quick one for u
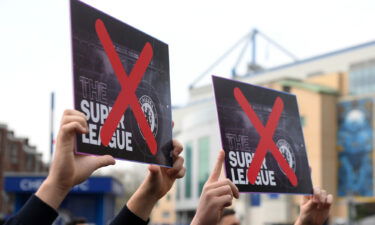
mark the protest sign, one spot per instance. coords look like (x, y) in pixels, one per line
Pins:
(262, 137)
(121, 83)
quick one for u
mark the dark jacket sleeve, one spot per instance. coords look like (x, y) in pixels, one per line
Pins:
(128, 217)
(35, 211)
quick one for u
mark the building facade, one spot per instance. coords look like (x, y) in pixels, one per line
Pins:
(16, 155)
(164, 211)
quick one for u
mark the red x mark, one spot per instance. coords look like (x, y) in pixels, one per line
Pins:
(266, 142)
(127, 95)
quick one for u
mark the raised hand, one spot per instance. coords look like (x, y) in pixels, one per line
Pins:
(157, 183)
(216, 195)
(314, 210)
(67, 168)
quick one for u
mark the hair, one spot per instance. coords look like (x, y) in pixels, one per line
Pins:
(75, 221)
(228, 212)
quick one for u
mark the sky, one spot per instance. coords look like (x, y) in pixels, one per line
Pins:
(35, 52)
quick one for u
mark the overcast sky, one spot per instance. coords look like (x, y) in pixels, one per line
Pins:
(35, 54)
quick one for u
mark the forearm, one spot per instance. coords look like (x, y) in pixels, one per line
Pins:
(34, 212)
(195, 221)
(298, 221)
(51, 194)
(142, 202)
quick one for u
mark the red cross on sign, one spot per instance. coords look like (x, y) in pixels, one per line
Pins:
(266, 138)
(129, 84)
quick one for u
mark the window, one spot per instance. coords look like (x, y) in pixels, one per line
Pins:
(29, 162)
(13, 152)
(204, 155)
(286, 89)
(362, 77)
(303, 121)
(273, 196)
(178, 190)
(188, 176)
(1, 141)
(166, 214)
(255, 199)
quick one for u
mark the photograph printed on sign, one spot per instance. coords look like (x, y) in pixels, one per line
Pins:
(262, 138)
(121, 84)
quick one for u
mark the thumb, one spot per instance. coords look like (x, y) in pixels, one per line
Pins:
(154, 170)
(305, 199)
(317, 194)
(309, 201)
(154, 173)
(105, 160)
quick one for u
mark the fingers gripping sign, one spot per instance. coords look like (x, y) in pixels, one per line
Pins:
(216, 195)
(314, 209)
(157, 184)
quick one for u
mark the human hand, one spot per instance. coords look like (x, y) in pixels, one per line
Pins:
(157, 183)
(67, 168)
(314, 210)
(160, 179)
(216, 195)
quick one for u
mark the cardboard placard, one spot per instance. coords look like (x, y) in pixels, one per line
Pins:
(262, 137)
(121, 83)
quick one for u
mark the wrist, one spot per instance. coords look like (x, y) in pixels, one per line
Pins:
(50, 193)
(298, 221)
(146, 191)
(142, 202)
(195, 221)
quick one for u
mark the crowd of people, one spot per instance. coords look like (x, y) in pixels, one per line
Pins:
(69, 169)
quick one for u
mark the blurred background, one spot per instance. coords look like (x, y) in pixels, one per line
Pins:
(321, 51)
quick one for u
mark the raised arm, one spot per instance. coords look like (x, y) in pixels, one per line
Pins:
(156, 184)
(67, 169)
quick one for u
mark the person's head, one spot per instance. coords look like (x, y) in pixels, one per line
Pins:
(229, 218)
(77, 221)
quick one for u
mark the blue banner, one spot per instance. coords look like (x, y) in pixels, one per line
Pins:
(29, 184)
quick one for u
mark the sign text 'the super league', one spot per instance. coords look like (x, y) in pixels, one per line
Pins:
(94, 106)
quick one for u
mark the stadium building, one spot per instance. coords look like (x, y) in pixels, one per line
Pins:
(335, 92)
